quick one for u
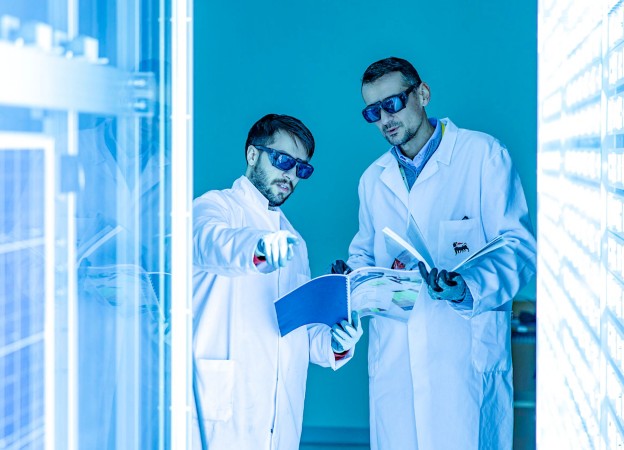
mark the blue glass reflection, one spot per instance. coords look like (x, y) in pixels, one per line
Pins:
(118, 233)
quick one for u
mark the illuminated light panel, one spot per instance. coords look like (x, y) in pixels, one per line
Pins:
(580, 398)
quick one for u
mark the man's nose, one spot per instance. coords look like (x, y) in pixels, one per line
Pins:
(385, 117)
(291, 173)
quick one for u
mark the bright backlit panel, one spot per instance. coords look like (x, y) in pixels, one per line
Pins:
(580, 222)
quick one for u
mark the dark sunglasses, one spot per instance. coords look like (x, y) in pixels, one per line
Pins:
(391, 105)
(284, 161)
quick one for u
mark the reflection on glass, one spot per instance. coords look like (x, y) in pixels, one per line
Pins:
(85, 220)
(121, 279)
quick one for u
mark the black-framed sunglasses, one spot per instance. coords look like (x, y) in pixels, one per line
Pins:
(284, 161)
(391, 105)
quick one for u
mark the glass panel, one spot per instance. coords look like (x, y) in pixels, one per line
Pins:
(85, 224)
(22, 298)
(122, 282)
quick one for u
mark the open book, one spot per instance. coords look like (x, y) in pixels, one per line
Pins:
(330, 298)
(407, 256)
(387, 292)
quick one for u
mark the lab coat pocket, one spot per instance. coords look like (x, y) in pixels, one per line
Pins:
(491, 341)
(457, 240)
(215, 388)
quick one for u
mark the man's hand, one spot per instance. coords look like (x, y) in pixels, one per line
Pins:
(443, 285)
(345, 335)
(341, 267)
(277, 247)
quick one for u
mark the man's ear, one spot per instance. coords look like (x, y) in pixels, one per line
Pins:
(252, 155)
(425, 94)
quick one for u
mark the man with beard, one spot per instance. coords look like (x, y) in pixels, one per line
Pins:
(443, 380)
(249, 383)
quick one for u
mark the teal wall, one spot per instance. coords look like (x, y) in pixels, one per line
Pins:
(306, 60)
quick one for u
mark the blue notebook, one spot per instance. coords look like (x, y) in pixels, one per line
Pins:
(330, 299)
(321, 300)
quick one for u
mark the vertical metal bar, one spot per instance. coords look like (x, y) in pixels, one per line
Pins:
(181, 174)
(163, 217)
(128, 385)
(72, 298)
(61, 349)
(72, 19)
(73, 357)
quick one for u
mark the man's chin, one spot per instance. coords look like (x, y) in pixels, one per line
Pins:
(279, 198)
(392, 138)
(396, 140)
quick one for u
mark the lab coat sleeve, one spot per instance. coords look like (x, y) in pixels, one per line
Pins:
(362, 245)
(321, 352)
(218, 247)
(498, 277)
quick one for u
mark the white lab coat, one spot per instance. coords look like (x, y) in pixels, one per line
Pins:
(444, 379)
(249, 383)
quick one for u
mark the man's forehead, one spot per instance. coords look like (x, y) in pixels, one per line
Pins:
(390, 84)
(289, 144)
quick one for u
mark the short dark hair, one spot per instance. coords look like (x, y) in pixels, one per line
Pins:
(262, 132)
(388, 65)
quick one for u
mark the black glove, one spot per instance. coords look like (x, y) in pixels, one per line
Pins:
(341, 267)
(443, 285)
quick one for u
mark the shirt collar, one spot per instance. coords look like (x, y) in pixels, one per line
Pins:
(435, 137)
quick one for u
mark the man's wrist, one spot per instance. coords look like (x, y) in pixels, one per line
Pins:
(258, 258)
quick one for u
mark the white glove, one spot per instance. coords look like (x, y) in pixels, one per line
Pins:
(345, 335)
(277, 247)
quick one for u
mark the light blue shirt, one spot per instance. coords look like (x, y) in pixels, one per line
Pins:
(412, 168)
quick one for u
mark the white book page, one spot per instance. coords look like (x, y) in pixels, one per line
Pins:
(396, 246)
(416, 238)
(496, 243)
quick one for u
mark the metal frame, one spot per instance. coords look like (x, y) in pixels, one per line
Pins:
(182, 142)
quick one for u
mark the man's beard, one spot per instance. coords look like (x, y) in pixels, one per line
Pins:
(400, 138)
(259, 179)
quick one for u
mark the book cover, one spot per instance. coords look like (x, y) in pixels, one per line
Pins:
(324, 299)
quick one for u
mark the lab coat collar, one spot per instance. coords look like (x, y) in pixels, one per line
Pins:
(443, 154)
(391, 176)
(254, 196)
